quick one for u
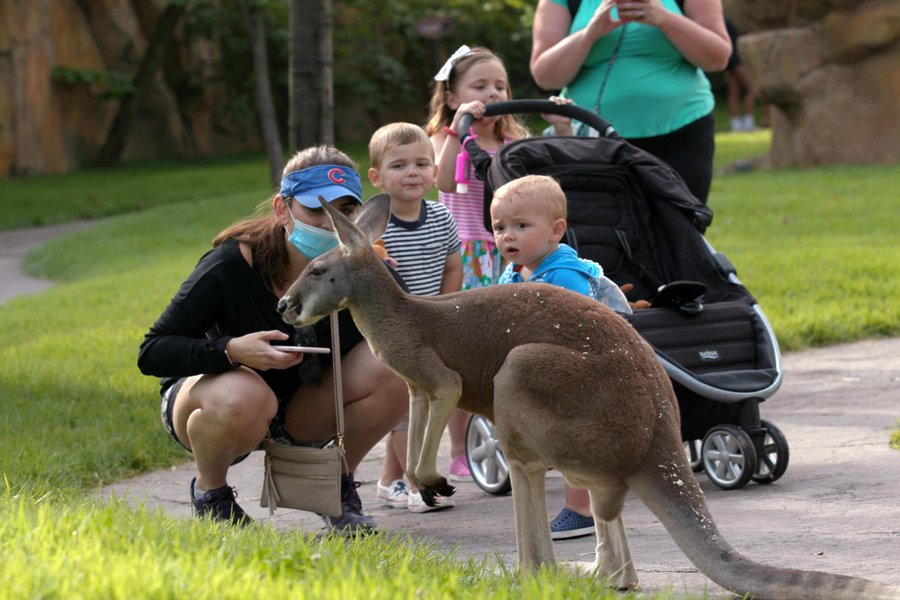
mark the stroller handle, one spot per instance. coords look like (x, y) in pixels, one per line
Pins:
(540, 106)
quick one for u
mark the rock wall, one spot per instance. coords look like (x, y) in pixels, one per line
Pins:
(47, 126)
(831, 71)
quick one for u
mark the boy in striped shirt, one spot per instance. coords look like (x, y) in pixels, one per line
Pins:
(422, 238)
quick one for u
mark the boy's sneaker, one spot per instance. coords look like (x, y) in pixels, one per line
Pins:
(569, 524)
(352, 520)
(219, 505)
(459, 469)
(416, 504)
(394, 495)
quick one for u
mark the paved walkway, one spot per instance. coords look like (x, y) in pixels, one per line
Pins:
(836, 509)
(14, 245)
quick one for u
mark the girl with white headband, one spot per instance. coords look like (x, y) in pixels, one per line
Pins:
(471, 79)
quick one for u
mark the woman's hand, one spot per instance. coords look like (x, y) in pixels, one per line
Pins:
(698, 33)
(561, 125)
(648, 12)
(255, 350)
(556, 55)
(601, 22)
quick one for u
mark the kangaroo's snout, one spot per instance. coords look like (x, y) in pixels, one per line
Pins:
(283, 305)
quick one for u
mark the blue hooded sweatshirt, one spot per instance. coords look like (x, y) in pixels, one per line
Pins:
(564, 268)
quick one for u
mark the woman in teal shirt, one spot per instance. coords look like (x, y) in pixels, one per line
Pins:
(639, 64)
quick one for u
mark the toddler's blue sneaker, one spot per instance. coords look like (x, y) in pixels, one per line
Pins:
(569, 524)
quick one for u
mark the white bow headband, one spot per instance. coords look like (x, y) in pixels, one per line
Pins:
(461, 52)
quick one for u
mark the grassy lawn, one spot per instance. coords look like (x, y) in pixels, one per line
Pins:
(819, 248)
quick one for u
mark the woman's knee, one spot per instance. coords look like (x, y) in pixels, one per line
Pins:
(234, 402)
(237, 411)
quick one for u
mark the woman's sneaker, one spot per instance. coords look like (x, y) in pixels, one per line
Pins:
(352, 520)
(219, 505)
(394, 495)
(416, 504)
(569, 524)
(459, 469)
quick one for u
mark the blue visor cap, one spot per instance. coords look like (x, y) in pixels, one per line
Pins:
(329, 181)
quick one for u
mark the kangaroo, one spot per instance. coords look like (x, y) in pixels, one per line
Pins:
(568, 384)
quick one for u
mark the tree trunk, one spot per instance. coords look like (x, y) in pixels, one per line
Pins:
(265, 105)
(311, 111)
(111, 151)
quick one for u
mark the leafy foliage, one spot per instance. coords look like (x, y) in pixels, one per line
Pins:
(383, 63)
(110, 85)
(230, 68)
(383, 67)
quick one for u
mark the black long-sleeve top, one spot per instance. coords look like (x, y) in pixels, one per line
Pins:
(222, 298)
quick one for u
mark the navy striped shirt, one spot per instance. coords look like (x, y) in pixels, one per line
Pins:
(421, 248)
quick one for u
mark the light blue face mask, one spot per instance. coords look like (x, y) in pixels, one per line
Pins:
(311, 241)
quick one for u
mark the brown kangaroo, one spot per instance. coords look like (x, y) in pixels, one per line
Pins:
(568, 384)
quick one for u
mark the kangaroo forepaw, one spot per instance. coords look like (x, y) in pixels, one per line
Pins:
(441, 488)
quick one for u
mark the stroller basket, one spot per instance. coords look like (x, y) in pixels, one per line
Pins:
(724, 353)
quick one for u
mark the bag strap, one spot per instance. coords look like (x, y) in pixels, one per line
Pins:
(336, 376)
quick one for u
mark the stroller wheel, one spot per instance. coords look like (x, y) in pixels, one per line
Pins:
(486, 460)
(692, 449)
(773, 460)
(728, 456)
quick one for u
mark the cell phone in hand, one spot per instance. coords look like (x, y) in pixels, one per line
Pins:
(304, 349)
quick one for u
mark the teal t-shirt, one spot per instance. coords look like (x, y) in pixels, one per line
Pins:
(650, 88)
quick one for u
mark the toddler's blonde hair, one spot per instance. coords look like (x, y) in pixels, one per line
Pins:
(393, 135)
(544, 189)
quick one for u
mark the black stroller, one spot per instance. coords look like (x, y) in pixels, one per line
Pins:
(632, 213)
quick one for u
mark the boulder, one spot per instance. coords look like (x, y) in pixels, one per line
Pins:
(830, 71)
(49, 126)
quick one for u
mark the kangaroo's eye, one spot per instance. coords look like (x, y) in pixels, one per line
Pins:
(316, 272)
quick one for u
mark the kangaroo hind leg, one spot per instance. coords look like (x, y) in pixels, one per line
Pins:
(613, 557)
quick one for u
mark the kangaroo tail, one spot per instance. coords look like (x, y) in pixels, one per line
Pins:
(671, 492)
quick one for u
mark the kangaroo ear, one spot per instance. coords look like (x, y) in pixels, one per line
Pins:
(371, 222)
(349, 236)
(374, 215)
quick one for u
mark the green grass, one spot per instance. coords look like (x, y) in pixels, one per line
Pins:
(71, 548)
(92, 194)
(819, 248)
(733, 147)
(99, 193)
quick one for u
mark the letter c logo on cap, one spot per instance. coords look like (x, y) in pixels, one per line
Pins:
(337, 176)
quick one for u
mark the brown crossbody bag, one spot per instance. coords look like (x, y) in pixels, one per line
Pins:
(304, 477)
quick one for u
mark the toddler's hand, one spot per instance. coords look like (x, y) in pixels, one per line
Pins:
(380, 250)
